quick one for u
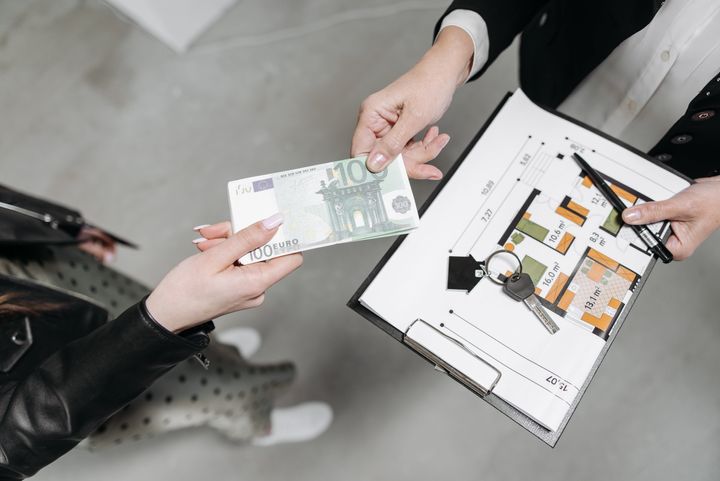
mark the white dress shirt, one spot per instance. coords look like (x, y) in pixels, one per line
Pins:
(638, 92)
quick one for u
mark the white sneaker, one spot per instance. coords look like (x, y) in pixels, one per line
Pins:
(297, 423)
(246, 339)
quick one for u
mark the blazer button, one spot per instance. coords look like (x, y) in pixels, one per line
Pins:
(663, 157)
(704, 115)
(681, 139)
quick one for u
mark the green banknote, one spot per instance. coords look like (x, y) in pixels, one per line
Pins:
(325, 204)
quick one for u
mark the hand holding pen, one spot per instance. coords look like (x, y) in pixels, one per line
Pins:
(694, 214)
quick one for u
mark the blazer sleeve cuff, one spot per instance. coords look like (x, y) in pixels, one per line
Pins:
(474, 25)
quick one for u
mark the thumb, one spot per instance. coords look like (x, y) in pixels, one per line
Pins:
(651, 212)
(392, 143)
(237, 245)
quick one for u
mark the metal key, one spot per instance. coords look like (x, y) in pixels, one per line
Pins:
(520, 287)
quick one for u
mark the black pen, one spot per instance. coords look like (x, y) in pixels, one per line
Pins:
(654, 243)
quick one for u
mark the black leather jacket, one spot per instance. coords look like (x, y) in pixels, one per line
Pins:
(64, 372)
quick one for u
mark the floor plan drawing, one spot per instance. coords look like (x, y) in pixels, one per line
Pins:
(520, 190)
(583, 284)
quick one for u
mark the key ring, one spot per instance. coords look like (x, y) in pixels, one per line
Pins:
(496, 253)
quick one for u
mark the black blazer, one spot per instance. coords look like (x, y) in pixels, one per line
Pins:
(564, 40)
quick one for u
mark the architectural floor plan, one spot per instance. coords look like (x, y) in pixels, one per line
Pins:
(561, 239)
(519, 189)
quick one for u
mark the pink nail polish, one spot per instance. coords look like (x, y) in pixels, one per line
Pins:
(377, 163)
(199, 240)
(273, 221)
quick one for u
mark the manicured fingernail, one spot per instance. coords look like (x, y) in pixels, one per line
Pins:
(436, 177)
(108, 257)
(199, 240)
(631, 215)
(377, 162)
(273, 221)
(445, 142)
(198, 227)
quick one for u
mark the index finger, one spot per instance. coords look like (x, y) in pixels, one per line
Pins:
(362, 141)
(370, 126)
(215, 231)
(674, 208)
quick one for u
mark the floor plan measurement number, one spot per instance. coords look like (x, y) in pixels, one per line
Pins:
(561, 385)
(488, 187)
(596, 238)
(598, 199)
(592, 300)
(555, 235)
(487, 215)
(551, 274)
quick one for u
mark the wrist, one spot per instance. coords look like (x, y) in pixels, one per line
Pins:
(453, 50)
(159, 314)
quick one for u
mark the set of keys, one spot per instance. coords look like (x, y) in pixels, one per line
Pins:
(520, 287)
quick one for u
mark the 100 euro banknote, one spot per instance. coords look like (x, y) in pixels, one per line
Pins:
(324, 204)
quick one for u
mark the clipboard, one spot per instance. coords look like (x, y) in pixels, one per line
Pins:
(490, 371)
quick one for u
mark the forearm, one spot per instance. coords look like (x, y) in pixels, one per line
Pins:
(83, 384)
(451, 55)
(491, 24)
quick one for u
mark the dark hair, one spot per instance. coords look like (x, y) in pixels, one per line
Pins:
(26, 303)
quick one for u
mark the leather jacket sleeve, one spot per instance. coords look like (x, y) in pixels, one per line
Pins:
(75, 390)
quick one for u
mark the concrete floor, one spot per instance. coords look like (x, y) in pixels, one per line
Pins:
(99, 115)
